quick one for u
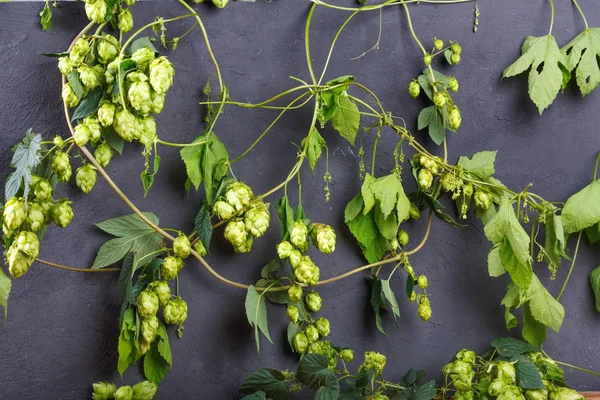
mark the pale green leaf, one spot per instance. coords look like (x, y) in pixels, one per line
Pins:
(367, 194)
(582, 210)
(5, 286)
(191, 156)
(583, 52)
(495, 268)
(533, 331)
(520, 272)
(481, 164)
(353, 208)
(594, 281)
(158, 359)
(372, 243)
(346, 118)
(544, 308)
(256, 312)
(390, 297)
(387, 226)
(427, 116)
(127, 346)
(387, 190)
(315, 148)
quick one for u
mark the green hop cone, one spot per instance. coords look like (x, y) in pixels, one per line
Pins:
(347, 355)
(182, 246)
(409, 270)
(125, 21)
(257, 219)
(315, 348)
(427, 59)
(324, 238)
(14, 213)
(467, 356)
(162, 291)
(468, 190)
(142, 57)
(35, 217)
(104, 154)
(61, 165)
(149, 328)
(461, 368)
(422, 282)
(200, 249)
(147, 129)
(158, 102)
(79, 50)
(144, 390)
(239, 195)
(28, 243)
(424, 308)
(293, 313)
(58, 141)
(111, 71)
(454, 118)
(170, 267)
(147, 304)
(65, 65)
(139, 97)
(124, 392)
(438, 44)
(299, 236)
(235, 233)
(300, 343)
(394, 245)
(96, 10)
(313, 301)
(295, 293)
(455, 59)
(496, 387)
(126, 125)
(323, 326)
(106, 113)
(414, 89)
(103, 391)
(143, 347)
(453, 84)
(403, 238)
(107, 49)
(539, 394)
(464, 395)
(483, 200)
(47, 207)
(86, 178)
(511, 393)
(69, 96)
(507, 372)
(130, 2)
(81, 135)
(425, 179)
(94, 127)
(223, 210)
(312, 334)
(295, 258)
(439, 99)
(42, 190)
(91, 77)
(456, 48)
(18, 262)
(62, 213)
(564, 393)
(463, 381)
(284, 250)
(161, 74)
(374, 361)
(246, 246)
(175, 312)
(220, 3)
(307, 272)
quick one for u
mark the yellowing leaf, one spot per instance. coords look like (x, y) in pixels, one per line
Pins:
(583, 52)
(543, 57)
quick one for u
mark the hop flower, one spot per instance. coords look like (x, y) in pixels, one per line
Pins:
(28, 243)
(162, 291)
(496, 387)
(170, 267)
(439, 99)
(235, 233)
(295, 293)
(312, 333)
(147, 129)
(81, 135)
(147, 303)
(293, 313)
(299, 236)
(220, 3)
(454, 118)
(453, 84)
(403, 238)
(124, 392)
(483, 200)
(374, 361)
(438, 44)
(161, 74)
(324, 238)
(65, 65)
(125, 125)
(456, 48)
(463, 381)
(125, 21)
(313, 301)
(58, 141)
(142, 57)
(47, 210)
(238, 195)
(510, 393)
(455, 59)
(79, 50)
(96, 10)
(307, 273)
(35, 217)
(422, 282)
(246, 246)
(91, 76)
(464, 395)
(14, 213)
(106, 113)
(323, 326)
(200, 249)
(347, 355)
(563, 393)
(257, 219)
(315, 347)
(295, 258)
(149, 328)
(139, 96)
(106, 49)
(425, 179)
(182, 246)
(104, 154)
(86, 178)
(427, 59)
(507, 372)
(69, 96)
(465, 355)
(223, 210)
(300, 343)
(414, 89)
(62, 213)
(18, 262)
(175, 312)
(103, 391)
(158, 102)
(143, 347)
(130, 2)
(539, 394)
(94, 128)
(284, 249)
(424, 308)
(144, 390)
(42, 190)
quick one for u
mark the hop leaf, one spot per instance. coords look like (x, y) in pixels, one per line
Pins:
(583, 52)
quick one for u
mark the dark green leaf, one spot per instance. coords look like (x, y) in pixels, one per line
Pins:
(141, 43)
(125, 67)
(410, 377)
(267, 380)
(437, 131)
(125, 284)
(76, 84)
(427, 116)
(158, 359)
(256, 396)
(509, 347)
(364, 378)
(410, 285)
(147, 175)
(269, 270)
(595, 282)
(113, 139)
(203, 225)
(192, 157)
(390, 297)
(352, 394)
(388, 227)
(341, 81)
(292, 331)
(256, 312)
(377, 301)
(326, 393)
(528, 377)
(88, 105)
(56, 55)
(286, 216)
(314, 373)
(25, 159)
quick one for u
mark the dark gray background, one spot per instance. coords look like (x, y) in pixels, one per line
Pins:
(61, 332)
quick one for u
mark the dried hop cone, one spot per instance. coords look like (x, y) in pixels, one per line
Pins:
(299, 236)
(124, 392)
(170, 267)
(175, 312)
(103, 391)
(161, 74)
(62, 213)
(257, 219)
(147, 304)
(239, 195)
(162, 291)
(149, 328)
(86, 178)
(235, 233)
(182, 246)
(144, 390)
(14, 213)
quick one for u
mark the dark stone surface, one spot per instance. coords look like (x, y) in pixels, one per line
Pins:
(61, 332)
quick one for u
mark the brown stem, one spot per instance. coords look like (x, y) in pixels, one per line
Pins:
(51, 264)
